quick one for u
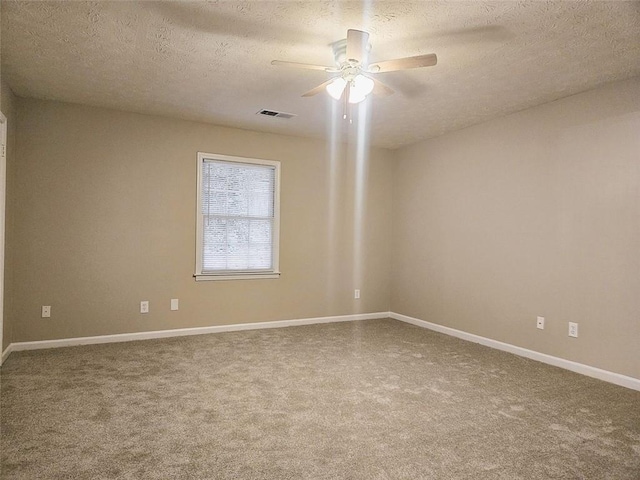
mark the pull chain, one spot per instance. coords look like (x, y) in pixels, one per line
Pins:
(346, 111)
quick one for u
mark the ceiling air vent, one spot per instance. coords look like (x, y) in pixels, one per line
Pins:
(273, 113)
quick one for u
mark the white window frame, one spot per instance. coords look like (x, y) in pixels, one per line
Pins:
(274, 272)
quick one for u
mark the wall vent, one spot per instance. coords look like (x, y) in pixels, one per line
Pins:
(273, 113)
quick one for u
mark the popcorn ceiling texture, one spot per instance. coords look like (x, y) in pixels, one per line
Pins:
(210, 61)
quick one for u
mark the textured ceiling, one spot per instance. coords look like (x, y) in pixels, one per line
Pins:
(210, 61)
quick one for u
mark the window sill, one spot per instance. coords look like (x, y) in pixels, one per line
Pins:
(239, 276)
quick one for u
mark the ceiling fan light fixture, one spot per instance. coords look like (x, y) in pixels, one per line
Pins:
(363, 84)
(355, 96)
(359, 88)
(336, 88)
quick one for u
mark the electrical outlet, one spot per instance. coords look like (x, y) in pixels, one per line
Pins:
(174, 304)
(573, 329)
(540, 323)
(144, 306)
(46, 311)
(356, 294)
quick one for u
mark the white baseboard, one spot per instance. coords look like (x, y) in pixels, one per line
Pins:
(587, 370)
(6, 353)
(181, 332)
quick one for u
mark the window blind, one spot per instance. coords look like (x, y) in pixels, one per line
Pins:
(238, 216)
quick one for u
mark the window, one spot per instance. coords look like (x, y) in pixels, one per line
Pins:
(238, 218)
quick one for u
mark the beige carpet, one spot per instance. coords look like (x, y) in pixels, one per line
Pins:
(377, 399)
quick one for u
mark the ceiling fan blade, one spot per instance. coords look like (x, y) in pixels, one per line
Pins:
(357, 42)
(404, 63)
(307, 66)
(381, 89)
(319, 89)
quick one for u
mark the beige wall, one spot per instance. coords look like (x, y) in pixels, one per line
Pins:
(104, 208)
(533, 214)
(7, 101)
(537, 213)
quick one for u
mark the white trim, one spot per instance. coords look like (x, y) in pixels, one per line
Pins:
(607, 376)
(3, 208)
(6, 353)
(181, 332)
(241, 276)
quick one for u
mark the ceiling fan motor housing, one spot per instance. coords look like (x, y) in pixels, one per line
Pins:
(340, 54)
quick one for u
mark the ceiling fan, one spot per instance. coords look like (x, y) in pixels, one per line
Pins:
(354, 80)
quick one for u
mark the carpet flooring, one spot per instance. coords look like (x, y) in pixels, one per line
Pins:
(377, 399)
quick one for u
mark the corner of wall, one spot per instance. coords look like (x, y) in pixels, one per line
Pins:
(525, 215)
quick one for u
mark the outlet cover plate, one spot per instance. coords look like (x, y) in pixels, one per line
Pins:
(540, 323)
(573, 329)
